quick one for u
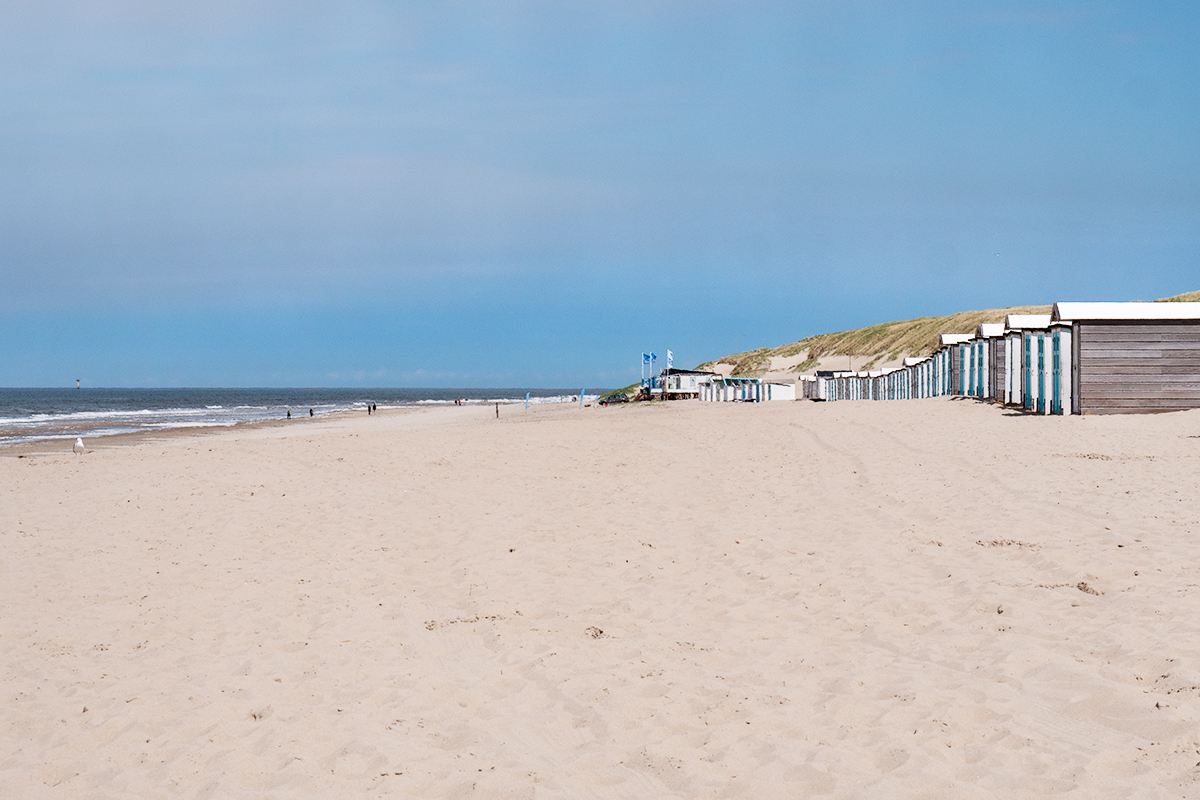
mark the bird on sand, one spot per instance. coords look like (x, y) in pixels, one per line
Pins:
(78, 448)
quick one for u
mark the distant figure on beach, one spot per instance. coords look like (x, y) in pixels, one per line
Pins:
(310, 412)
(368, 409)
(289, 413)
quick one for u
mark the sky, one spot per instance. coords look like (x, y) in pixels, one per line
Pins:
(498, 194)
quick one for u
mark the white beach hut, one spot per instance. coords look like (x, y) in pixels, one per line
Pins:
(748, 390)
(1014, 356)
(1041, 362)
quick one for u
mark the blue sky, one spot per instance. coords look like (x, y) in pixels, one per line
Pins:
(531, 194)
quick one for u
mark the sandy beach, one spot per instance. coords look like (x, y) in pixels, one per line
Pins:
(934, 598)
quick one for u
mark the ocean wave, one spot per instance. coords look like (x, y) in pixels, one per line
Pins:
(32, 414)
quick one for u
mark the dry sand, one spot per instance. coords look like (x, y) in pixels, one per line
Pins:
(930, 598)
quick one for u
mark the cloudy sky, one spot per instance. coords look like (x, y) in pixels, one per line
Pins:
(532, 193)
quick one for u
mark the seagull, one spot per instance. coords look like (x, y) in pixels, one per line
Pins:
(78, 448)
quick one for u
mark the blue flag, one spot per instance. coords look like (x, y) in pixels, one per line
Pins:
(653, 357)
(646, 357)
(670, 359)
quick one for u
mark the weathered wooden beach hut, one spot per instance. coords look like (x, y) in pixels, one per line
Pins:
(942, 372)
(920, 372)
(1132, 357)
(810, 387)
(957, 347)
(989, 336)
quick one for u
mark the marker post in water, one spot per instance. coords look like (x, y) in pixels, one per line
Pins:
(581, 398)
(527, 401)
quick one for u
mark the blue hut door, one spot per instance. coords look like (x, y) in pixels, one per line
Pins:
(1028, 399)
(1056, 404)
(1041, 400)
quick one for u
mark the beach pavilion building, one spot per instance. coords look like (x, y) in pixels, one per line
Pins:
(679, 384)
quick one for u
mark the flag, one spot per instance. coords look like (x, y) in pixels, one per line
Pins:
(670, 359)
(646, 357)
(653, 357)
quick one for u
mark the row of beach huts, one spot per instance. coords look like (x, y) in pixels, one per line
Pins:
(1084, 358)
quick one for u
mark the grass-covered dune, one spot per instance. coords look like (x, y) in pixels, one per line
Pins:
(874, 346)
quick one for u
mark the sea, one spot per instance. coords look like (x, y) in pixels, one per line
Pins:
(28, 415)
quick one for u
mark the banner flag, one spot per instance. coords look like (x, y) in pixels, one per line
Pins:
(653, 357)
(670, 359)
(646, 357)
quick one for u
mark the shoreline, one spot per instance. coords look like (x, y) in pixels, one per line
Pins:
(30, 416)
(57, 445)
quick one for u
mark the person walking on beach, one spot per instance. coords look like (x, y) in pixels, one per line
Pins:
(289, 413)
(310, 412)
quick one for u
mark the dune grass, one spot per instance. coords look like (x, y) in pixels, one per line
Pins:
(886, 341)
(632, 388)
(1187, 297)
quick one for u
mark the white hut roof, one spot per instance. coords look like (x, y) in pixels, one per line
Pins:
(987, 330)
(1022, 322)
(1126, 311)
(911, 361)
(956, 338)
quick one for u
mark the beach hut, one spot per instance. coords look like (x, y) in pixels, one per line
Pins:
(770, 391)
(1033, 380)
(1014, 352)
(919, 372)
(989, 336)
(746, 390)
(941, 371)
(1062, 388)
(1132, 357)
(958, 370)
(811, 387)
(1046, 369)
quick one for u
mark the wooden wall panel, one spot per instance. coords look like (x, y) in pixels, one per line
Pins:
(1129, 367)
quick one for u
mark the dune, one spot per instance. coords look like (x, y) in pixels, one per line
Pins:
(931, 598)
(875, 347)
